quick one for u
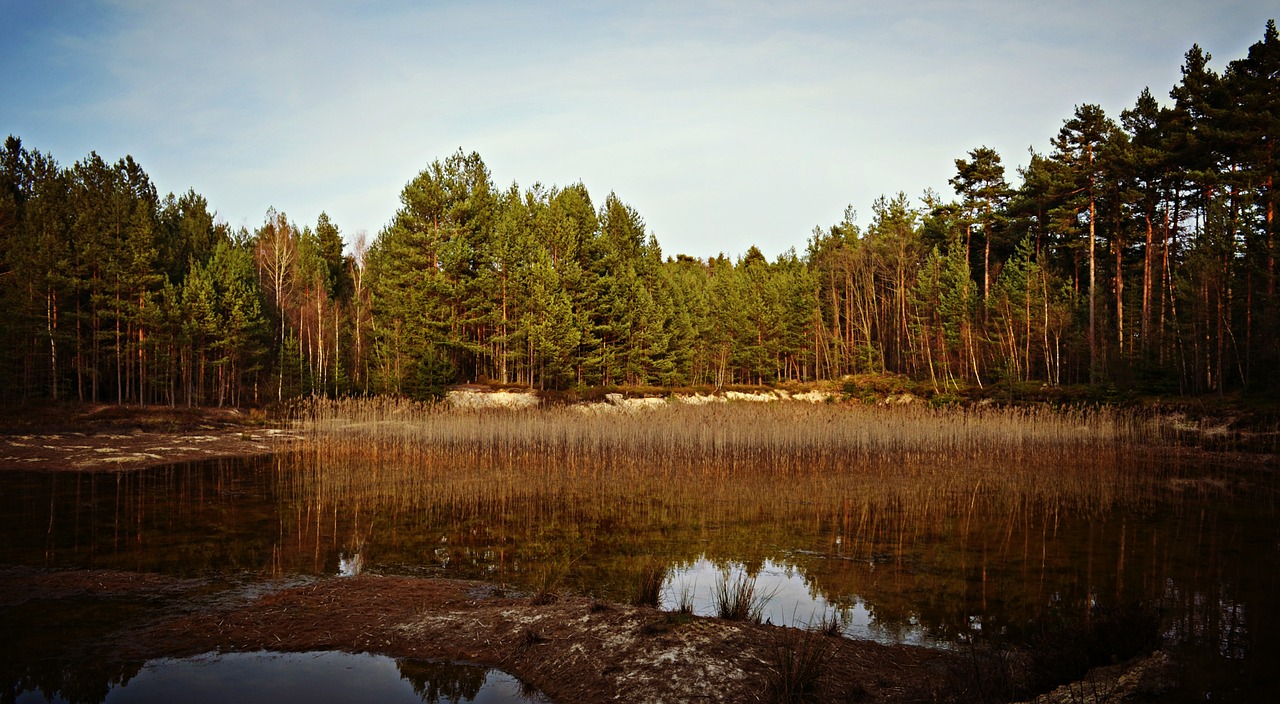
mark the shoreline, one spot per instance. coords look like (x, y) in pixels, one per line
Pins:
(104, 438)
(571, 648)
(75, 437)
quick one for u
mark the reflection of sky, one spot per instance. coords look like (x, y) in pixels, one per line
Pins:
(253, 678)
(790, 600)
(350, 565)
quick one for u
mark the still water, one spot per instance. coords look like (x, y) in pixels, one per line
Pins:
(310, 678)
(1200, 547)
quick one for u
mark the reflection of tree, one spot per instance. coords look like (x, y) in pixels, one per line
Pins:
(924, 552)
(442, 681)
(47, 648)
(189, 519)
(73, 681)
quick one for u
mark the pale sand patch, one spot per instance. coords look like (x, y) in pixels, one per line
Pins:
(199, 438)
(476, 400)
(814, 396)
(594, 408)
(699, 399)
(635, 404)
(127, 457)
(764, 397)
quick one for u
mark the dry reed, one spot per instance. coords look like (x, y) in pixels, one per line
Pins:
(799, 659)
(894, 454)
(648, 590)
(884, 477)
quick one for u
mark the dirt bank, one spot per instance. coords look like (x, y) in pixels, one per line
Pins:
(573, 648)
(76, 437)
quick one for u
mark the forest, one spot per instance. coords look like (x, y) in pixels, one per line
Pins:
(1138, 251)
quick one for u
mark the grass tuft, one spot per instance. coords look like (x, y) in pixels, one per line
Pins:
(830, 624)
(737, 599)
(648, 588)
(800, 659)
(684, 604)
(548, 585)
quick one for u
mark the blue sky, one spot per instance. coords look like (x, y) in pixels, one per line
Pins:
(725, 124)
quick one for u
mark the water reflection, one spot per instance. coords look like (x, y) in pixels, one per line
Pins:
(929, 567)
(319, 677)
(350, 565)
(789, 599)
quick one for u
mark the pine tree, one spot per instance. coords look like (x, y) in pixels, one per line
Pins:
(1078, 148)
(980, 182)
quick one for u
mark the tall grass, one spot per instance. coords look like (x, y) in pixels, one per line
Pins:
(885, 477)
(896, 455)
(648, 589)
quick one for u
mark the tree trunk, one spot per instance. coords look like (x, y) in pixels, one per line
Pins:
(1093, 343)
(51, 321)
(1119, 246)
(119, 356)
(1145, 328)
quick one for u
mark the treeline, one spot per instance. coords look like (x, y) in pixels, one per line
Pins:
(1138, 252)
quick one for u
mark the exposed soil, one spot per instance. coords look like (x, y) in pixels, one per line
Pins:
(574, 649)
(76, 437)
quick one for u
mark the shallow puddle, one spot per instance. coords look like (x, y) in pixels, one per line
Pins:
(1196, 545)
(785, 598)
(314, 678)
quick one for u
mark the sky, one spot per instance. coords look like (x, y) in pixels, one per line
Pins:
(723, 124)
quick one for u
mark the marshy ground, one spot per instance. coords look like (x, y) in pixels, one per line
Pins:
(97, 437)
(572, 647)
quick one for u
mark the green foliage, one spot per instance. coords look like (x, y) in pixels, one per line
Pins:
(1140, 253)
(430, 377)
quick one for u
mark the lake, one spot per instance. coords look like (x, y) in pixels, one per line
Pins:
(906, 528)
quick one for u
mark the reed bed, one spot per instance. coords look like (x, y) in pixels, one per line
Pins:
(883, 479)
(1078, 459)
(785, 436)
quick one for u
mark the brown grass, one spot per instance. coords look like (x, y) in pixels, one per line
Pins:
(888, 477)
(648, 590)
(799, 659)
(907, 454)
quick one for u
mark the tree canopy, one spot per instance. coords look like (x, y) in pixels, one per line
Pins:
(1136, 250)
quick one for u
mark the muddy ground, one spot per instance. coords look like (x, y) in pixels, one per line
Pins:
(93, 437)
(572, 648)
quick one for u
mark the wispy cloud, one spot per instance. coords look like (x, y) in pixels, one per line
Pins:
(725, 124)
